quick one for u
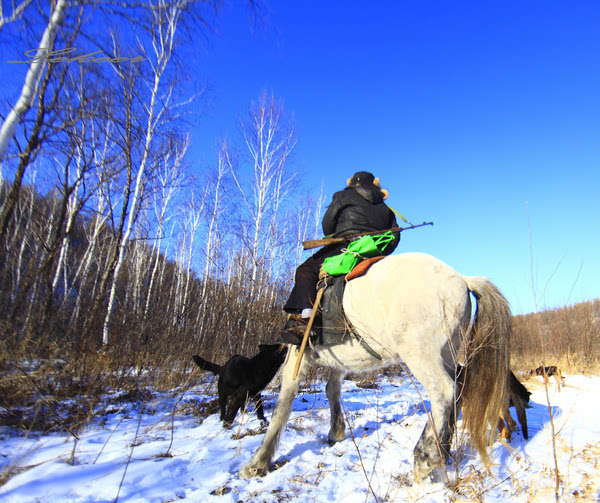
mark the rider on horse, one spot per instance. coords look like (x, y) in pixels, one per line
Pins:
(359, 208)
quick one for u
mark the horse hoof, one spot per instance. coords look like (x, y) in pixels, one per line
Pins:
(437, 475)
(426, 471)
(334, 439)
(248, 472)
(432, 477)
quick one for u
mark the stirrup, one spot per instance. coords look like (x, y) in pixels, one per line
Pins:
(289, 338)
(293, 332)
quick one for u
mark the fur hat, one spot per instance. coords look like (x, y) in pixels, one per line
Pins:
(364, 178)
(361, 178)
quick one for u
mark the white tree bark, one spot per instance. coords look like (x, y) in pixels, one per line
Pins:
(212, 249)
(215, 212)
(33, 77)
(25, 213)
(71, 212)
(168, 177)
(100, 148)
(186, 253)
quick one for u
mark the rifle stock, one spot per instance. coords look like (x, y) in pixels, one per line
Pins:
(314, 243)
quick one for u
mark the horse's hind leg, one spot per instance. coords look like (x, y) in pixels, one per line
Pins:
(259, 463)
(433, 448)
(333, 389)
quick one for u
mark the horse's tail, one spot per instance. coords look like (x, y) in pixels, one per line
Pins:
(486, 373)
(206, 365)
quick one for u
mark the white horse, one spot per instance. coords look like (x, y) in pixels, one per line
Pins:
(415, 310)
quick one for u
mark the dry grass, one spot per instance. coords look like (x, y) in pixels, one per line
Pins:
(61, 391)
(569, 339)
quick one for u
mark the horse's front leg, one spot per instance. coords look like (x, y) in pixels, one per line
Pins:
(337, 432)
(259, 463)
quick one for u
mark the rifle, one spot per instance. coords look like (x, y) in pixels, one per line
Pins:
(307, 245)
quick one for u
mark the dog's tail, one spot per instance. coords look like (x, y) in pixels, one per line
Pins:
(206, 365)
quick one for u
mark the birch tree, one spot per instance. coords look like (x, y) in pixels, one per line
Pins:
(307, 219)
(269, 139)
(102, 176)
(34, 74)
(106, 161)
(169, 175)
(44, 83)
(217, 208)
(191, 224)
(216, 228)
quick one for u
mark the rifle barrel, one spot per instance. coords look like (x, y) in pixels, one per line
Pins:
(314, 243)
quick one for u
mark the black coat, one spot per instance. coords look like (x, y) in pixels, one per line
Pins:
(359, 209)
(352, 210)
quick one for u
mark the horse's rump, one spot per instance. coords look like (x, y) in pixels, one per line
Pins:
(410, 303)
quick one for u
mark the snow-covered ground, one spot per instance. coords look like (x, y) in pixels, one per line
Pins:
(152, 455)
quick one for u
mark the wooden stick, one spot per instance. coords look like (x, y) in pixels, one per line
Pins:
(307, 331)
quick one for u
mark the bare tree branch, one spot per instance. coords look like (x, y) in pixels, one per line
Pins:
(17, 13)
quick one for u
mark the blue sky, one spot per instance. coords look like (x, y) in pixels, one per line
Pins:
(483, 117)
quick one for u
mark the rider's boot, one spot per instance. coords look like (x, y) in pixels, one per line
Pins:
(294, 329)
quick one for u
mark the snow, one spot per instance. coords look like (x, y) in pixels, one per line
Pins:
(147, 453)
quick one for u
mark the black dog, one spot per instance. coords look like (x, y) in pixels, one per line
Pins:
(242, 379)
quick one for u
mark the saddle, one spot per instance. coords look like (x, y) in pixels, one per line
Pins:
(334, 324)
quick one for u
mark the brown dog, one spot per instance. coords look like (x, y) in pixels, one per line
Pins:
(519, 398)
(547, 372)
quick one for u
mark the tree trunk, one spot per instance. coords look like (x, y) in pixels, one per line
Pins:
(33, 77)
